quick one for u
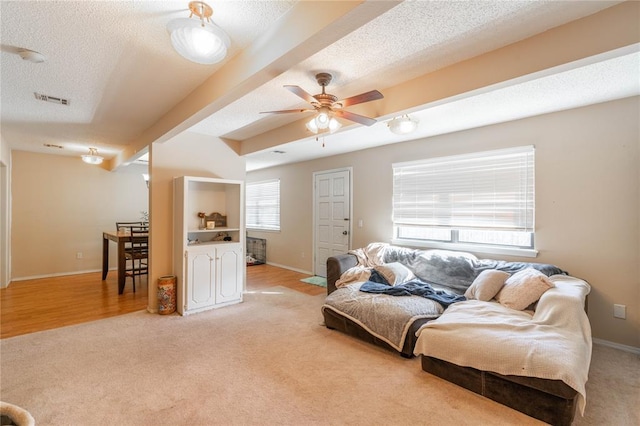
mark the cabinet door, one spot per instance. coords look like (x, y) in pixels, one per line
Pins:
(230, 273)
(201, 273)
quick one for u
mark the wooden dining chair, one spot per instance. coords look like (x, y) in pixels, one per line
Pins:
(138, 255)
(126, 227)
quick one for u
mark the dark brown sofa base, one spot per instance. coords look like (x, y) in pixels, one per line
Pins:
(551, 401)
(336, 321)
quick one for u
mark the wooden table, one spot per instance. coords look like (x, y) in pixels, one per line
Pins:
(120, 238)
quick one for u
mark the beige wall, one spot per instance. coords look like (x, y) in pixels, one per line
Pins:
(188, 154)
(61, 206)
(587, 200)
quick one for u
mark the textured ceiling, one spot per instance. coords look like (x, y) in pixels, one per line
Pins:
(114, 62)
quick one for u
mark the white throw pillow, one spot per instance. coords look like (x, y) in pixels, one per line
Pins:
(523, 288)
(395, 273)
(486, 285)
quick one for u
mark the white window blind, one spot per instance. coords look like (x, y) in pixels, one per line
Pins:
(491, 190)
(263, 205)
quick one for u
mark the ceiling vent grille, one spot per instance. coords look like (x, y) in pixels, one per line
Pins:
(51, 145)
(52, 99)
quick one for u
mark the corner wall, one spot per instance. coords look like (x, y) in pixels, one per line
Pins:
(587, 200)
(188, 154)
(5, 213)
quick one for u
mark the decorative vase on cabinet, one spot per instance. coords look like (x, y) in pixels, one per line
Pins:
(212, 270)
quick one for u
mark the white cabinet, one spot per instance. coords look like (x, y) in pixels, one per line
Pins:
(213, 276)
(209, 263)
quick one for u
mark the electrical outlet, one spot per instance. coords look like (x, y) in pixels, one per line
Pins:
(620, 311)
(79, 255)
(302, 254)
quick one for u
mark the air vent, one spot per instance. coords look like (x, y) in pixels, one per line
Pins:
(52, 99)
(50, 145)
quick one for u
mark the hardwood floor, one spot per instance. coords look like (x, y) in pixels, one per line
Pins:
(43, 304)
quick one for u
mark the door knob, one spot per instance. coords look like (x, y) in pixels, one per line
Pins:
(344, 232)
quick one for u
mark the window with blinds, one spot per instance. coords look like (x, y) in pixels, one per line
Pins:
(482, 198)
(263, 205)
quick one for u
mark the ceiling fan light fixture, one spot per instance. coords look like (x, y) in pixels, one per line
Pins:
(332, 125)
(196, 40)
(92, 157)
(402, 125)
(312, 126)
(323, 118)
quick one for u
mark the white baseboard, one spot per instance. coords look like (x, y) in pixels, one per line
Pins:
(290, 268)
(619, 346)
(59, 274)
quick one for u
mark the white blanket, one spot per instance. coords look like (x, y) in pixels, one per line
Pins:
(553, 343)
(368, 257)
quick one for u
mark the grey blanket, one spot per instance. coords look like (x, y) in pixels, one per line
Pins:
(456, 271)
(386, 317)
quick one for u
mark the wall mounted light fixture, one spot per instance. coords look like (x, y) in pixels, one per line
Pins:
(196, 40)
(92, 157)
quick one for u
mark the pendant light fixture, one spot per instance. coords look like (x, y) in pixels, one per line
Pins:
(402, 125)
(196, 40)
(92, 157)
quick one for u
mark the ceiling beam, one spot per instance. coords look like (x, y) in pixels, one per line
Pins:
(605, 31)
(307, 28)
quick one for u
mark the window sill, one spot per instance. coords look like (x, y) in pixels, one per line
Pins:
(277, 231)
(474, 248)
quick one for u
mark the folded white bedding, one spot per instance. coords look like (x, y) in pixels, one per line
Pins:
(553, 343)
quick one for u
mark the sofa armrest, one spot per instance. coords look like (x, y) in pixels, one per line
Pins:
(336, 265)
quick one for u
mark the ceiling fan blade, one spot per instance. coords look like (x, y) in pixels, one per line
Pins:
(355, 117)
(285, 111)
(361, 98)
(297, 90)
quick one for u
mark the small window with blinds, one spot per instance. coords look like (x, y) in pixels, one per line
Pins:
(485, 198)
(263, 205)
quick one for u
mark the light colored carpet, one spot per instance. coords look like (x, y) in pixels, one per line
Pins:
(319, 281)
(268, 360)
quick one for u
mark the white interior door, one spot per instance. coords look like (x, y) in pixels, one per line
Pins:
(332, 216)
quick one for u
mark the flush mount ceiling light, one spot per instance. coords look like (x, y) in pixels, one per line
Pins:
(196, 40)
(31, 56)
(92, 157)
(402, 125)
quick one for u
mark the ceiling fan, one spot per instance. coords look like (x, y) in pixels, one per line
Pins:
(327, 106)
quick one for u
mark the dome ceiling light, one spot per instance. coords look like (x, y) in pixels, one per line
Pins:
(199, 41)
(402, 125)
(31, 56)
(92, 157)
